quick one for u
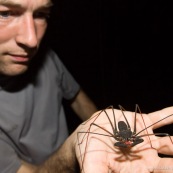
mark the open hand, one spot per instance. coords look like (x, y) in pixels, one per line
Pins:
(96, 139)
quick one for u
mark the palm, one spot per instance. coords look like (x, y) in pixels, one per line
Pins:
(97, 152)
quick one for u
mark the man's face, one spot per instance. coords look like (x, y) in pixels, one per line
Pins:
(22, 27)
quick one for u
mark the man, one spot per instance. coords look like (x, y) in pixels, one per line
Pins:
(32, 85)
(31, 116)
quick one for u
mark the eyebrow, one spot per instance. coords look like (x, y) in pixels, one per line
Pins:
(46, 6)
(9, 3)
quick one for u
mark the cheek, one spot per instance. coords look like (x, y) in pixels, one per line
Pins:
(6, 33)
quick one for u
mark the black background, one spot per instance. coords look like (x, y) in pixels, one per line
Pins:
(119, 51)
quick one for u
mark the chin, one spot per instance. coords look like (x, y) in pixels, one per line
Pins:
(15, 70)
(17, 73)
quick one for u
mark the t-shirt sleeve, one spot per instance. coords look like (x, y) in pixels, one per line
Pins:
(69, 85)
(9, 161)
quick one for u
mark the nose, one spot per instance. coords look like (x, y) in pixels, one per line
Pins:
(27, 33)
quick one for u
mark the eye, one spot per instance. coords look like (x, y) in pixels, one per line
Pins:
(5, 14)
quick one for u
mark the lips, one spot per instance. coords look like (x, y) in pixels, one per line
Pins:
(19, 58)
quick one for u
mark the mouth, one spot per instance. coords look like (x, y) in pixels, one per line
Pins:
(20, 58)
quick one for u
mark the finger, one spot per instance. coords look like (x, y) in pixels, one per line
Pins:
(162, 117)
(165, 145)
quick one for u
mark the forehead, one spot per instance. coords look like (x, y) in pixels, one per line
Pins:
(27, 3)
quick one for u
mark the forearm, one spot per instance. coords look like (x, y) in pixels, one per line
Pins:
(83, 106)
(62, 161)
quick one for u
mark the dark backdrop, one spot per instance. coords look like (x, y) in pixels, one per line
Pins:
(119, 51)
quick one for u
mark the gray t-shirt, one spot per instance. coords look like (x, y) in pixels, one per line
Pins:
(32, 120)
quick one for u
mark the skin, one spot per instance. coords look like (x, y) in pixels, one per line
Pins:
(83, 101)
(22, 26)
(102, 156)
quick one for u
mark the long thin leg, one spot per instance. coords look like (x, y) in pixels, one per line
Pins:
(158, 134)
(153, 124)
(122, 110)
(138, 108)
(89, 132)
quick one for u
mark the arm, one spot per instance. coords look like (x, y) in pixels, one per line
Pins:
(83, 106)
(109, 157)
(62, 161)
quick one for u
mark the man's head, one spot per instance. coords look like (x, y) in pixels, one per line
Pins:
(22, 27)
